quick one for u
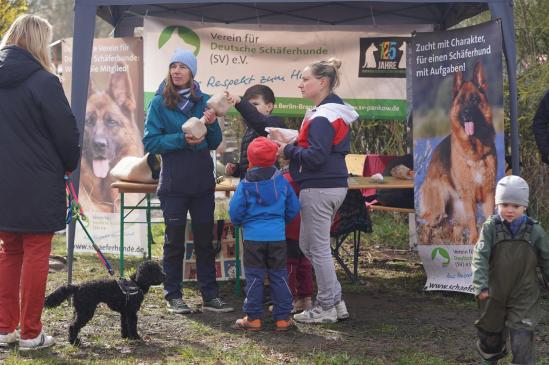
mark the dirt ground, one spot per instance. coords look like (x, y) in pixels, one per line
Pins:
(393, 321)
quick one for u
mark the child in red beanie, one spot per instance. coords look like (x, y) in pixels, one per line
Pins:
(262, 205)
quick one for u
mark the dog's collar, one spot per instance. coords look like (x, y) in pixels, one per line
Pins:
(128, 287)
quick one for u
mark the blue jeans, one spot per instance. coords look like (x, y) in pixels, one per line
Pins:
(175, 210)
(260, 258)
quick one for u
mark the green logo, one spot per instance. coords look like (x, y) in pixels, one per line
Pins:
(441, 256)
(186, 34)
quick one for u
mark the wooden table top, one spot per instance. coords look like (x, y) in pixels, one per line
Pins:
(389, 182)
(229, 184)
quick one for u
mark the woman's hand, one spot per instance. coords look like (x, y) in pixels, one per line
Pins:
(233, 99)
(281, 147)
(484, 295)
(209, 116)
(276, 135)
(192, 140)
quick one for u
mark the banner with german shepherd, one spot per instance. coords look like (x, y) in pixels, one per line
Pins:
(457, 111)
(113, 130)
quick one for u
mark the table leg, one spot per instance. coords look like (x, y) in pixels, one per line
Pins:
(149, 228)
(237, 287)
(356, 250)
(122, 235)
(339, 240)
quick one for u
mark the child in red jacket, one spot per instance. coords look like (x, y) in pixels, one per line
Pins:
(300, 270)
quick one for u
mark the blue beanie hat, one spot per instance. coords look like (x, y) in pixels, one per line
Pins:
(185, 57)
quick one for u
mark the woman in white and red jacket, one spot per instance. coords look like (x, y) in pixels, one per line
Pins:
(317, 164)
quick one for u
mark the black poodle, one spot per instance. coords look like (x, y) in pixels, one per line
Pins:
(122, 296)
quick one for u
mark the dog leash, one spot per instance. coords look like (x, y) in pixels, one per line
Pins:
(76, 213)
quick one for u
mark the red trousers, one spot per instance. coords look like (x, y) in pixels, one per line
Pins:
(24, 264)
(300, 271)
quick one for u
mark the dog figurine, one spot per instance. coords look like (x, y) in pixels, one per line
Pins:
(462, 171)
(122, 296)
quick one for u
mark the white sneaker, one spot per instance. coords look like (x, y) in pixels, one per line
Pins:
(317, 315)
(40, 342)
(8, 339)
(341, 310)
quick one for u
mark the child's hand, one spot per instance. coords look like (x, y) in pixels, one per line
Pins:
(233, 99)
(484, 295)
(230, 169)
(281, 147)
(209, 116)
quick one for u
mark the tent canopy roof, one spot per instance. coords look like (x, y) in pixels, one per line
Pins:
(442, 14)
(124, 15)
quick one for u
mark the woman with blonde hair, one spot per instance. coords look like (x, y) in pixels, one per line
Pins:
(39, 142)
(317, 165)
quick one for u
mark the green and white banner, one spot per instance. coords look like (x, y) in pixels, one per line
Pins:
(235, 57)
(448, 267)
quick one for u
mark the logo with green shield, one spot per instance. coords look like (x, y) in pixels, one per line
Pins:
(190, 38)
(440, 256)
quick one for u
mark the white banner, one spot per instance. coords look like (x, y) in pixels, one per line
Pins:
(113, 130)
(235, 57)
(448, 267)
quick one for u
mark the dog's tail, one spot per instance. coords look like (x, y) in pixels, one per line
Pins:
(59, 295)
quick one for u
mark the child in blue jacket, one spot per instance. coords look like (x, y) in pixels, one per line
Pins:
(262, 205)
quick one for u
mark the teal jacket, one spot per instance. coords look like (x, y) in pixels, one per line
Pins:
(187, 170)
(163, 132)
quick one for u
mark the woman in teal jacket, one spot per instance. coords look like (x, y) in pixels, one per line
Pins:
(187, 182)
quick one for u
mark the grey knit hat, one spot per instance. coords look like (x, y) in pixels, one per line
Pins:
(512, 190)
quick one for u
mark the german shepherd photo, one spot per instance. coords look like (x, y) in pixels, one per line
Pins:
(461, 175)
(111, 132)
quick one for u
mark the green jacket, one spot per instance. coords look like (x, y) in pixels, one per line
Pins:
(483, 251)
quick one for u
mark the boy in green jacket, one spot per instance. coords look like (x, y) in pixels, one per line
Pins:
(510, 247)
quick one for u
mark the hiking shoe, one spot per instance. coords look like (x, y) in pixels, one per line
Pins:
(341, 310)
(317, 314)
(217, 305)
(40, 342)
(284, 325)
(8, 339)
(177, 306)
(301, 304)
(246, 324)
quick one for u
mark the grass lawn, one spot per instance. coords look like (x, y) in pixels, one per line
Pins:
(393, 321)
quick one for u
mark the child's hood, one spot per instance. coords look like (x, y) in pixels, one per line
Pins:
(260, 182)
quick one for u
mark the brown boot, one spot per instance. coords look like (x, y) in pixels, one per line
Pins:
(301, 304)
(245, 324)
(297, 305)
(307, 303)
